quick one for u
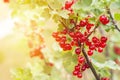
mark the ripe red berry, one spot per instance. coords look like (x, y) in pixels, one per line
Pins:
(81, 59)
(79, 75)
(83, 39)
(90, 52)
(88, 26)
(64, 31)
(55, 34)
(86, 65)
(68, 4)
(77, 67)
(77, 27)
(83, 23)
(63, 38)
(71, 34)
(88, 43)
(116, 50)
(100, 49)
(83, 68)
(62, 44)
(103, 39)
(102, 45)
(77, 51)
(92, 47)
(75, 72)
(58, 39)
(95, 39)
(67, 47)
(97, 44)
(104, 19)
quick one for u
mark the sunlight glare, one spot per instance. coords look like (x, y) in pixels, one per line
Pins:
(6, 27)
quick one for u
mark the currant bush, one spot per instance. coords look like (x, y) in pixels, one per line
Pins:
(68, 39)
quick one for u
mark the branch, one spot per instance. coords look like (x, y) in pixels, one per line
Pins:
(63, 24)
(93, 30)
(113, 21)
(90, 64)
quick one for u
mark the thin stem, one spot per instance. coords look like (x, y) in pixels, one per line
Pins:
(90, 64)
(113, 21)
(63, 24)
(93, 30)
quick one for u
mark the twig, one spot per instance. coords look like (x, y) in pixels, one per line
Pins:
(63, 24)
(90, 64)
(93, 30)
(113, 21)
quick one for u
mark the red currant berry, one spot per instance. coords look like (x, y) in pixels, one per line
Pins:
(75, 72)
(81, 59)
(64, 31)
(83, 68)
(67, 47)
(77, 27)
(57, 39)
(63, 38)
(104, 19)
(71, 34)
(88, 27)
(88, 43)
(100, 49)
(103, 39)
(55, 34)
(78, 34)
(92, 47)
(72, 43)
(68, 4)
(94, 39)
(86, 65)
(77, 51)
(102, 45)
(90, 52)
(97, 44)
(77, 68)
(83, 39)
(79, 75)
(83, 23)
(62, 44)
(116, 50)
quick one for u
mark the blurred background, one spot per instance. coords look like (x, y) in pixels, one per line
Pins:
(15, 47)
(13, 50)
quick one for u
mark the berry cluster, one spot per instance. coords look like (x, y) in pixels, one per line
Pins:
(68, 5)
(78, 37)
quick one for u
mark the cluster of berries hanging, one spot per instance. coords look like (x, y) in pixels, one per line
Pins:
(68, 5)
(75, 37)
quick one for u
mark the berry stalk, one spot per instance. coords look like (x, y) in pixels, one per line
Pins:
(113, 21)
(90, 64)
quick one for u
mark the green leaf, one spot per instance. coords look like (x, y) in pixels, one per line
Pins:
(107, 64)
(21, 74)
(82, 4)
(64, 14)
(117, 16)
